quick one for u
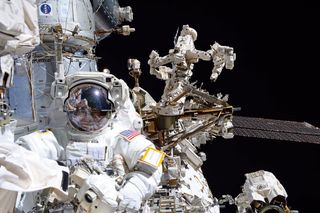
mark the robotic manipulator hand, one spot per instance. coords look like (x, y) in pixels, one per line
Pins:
(222, 56)
(262, 192)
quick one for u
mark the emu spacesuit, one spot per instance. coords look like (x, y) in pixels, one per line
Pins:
(107, 113)
(98, 121)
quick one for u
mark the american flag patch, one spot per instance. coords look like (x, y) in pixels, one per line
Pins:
(129, 134)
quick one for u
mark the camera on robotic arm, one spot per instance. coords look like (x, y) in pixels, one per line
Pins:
(262, 193)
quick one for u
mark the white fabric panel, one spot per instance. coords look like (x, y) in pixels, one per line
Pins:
(6, 70)
(19, 30)
(8, 201)
(44, 144)
(23, 170)
(12, 20)
(7, 132)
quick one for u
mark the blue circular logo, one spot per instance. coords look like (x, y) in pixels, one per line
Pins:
(45, 8)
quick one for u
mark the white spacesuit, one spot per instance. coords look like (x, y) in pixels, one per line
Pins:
(120, 134)
(101, 117)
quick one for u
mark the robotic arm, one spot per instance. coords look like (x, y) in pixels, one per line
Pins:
(184, 55)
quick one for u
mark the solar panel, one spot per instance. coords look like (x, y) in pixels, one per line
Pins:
(276, 129)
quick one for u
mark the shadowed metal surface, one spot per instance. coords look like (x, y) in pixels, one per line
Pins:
(276, 129)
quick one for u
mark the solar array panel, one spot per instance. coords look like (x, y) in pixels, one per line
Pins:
(276, 129)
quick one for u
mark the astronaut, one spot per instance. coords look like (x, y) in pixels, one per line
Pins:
(96, 121)
(100, 116)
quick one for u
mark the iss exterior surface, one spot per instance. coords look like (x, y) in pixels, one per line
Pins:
(190, 175)
(75, 17)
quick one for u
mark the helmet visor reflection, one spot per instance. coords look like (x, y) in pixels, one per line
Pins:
(88, 107)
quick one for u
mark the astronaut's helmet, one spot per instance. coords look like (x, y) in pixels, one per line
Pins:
(88, 107)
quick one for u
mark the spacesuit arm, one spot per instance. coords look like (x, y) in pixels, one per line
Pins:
(142, 181)
(138, 187)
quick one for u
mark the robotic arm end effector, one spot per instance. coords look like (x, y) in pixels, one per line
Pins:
(155, 62)
(262, 193)
(222, 56)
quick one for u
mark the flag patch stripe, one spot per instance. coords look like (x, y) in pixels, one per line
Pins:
(129, 134)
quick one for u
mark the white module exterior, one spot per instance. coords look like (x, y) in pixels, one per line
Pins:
(75, 18)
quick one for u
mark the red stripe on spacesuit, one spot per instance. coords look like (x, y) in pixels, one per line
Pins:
(129, 134)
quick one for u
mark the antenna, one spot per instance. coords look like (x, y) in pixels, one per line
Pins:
(176, 37)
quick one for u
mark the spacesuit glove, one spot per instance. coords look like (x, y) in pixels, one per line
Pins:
(132, 194)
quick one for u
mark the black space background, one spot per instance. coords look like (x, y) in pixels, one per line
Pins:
(275, 76)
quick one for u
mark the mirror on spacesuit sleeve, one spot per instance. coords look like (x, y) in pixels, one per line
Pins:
(88, 107)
